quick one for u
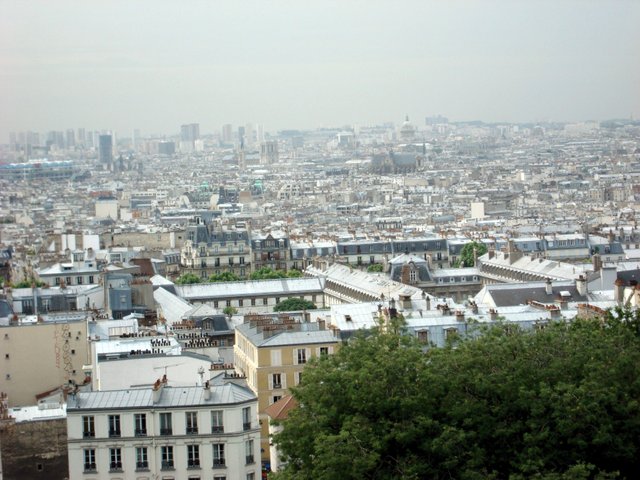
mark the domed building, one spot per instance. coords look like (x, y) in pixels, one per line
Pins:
(407, 131)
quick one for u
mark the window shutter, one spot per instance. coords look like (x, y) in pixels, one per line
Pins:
(283, 377)
(271, 381)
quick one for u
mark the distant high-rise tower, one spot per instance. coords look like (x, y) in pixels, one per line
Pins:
(71, 138)
(190, 132)
(227, 133)
(105, 150)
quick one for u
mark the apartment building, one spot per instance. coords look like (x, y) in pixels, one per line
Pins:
(168, 433)
(272, 354)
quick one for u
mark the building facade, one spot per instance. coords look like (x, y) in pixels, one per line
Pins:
(183, 433)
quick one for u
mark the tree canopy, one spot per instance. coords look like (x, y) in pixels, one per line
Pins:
(188, 278)
(266, 273)
(558, 403)
(224, 277)
(293, 304)
(466, 254)
(375, 267)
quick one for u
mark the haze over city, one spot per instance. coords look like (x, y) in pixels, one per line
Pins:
(153, 65)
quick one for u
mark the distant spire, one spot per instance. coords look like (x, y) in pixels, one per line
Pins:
(406, 118)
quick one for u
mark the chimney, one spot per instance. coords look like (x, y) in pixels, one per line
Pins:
(493, 314)
(157, 389)
(581, 285)
(459, 316)
(554, 312)
(618, 291)
(207, 390)
(548, 287)
(597, 262)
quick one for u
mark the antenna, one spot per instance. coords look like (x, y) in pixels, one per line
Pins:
(167, 366)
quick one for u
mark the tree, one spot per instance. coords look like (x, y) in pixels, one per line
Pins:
(188, 278)
(230, 311)
(375, 267)
(559, 403)
(467, 255)
(266, 273)
(293, 304)
(224, 277)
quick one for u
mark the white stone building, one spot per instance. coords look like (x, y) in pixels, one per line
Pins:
(168, 433)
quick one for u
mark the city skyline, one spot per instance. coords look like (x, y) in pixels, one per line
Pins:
(154, 67)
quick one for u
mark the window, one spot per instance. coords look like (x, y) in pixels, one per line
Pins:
(167, 457)
(215, 304)
(248, 451)
(241, 260)
(193, 456)
(140, 424)
(88, 427)
(324, 351)
(277, 299)
(276, 381)
(217, 425)
(165, 424)
(265, 301)
(423, 336)
(90, 278)
(230, 260)
(57, 280)
(114, 425)
(246, 418)
(192, 423)
(219, 477)
(240, 303)
(251, 476)
(275, 398)
(298, 378)
(115, 459)
(301, 356)
(228, 303)
(142, 461)
(276, 358)
(253, 302)
(218, 455)
(79, 280)
(89, 460)
(413, 276)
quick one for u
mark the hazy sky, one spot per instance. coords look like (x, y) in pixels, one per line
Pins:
(154, 64)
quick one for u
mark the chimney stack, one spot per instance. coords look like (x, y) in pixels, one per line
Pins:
(548, 287)
(618, 291)
(581, 285)
(207, 390)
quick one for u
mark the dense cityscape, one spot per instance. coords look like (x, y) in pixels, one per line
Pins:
(319, 240)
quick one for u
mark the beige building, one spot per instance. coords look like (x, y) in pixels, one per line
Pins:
(272, 354)
(39, 357)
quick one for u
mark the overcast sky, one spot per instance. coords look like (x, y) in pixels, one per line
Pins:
(154, 65)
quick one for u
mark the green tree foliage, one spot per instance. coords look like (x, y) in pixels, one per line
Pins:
(466, 254)
(294, 304)
(230, 311)
(374, 267)
(188, 278)
(28, 283)
(224, 277)
(266, 273)
(560, 403)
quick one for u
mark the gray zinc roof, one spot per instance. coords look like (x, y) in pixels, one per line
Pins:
(171, 397)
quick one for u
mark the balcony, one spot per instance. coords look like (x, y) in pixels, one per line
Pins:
(193, 464)
(89, 434)
(192, 430)
(217, 429)
(140, 466)
(90, 468)
(115, 467)
(167, 465)
(114, 433)
(218, 463)
(246, 426)
(277, 385)
(249, 459)
(141, 432)
(166, 431)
